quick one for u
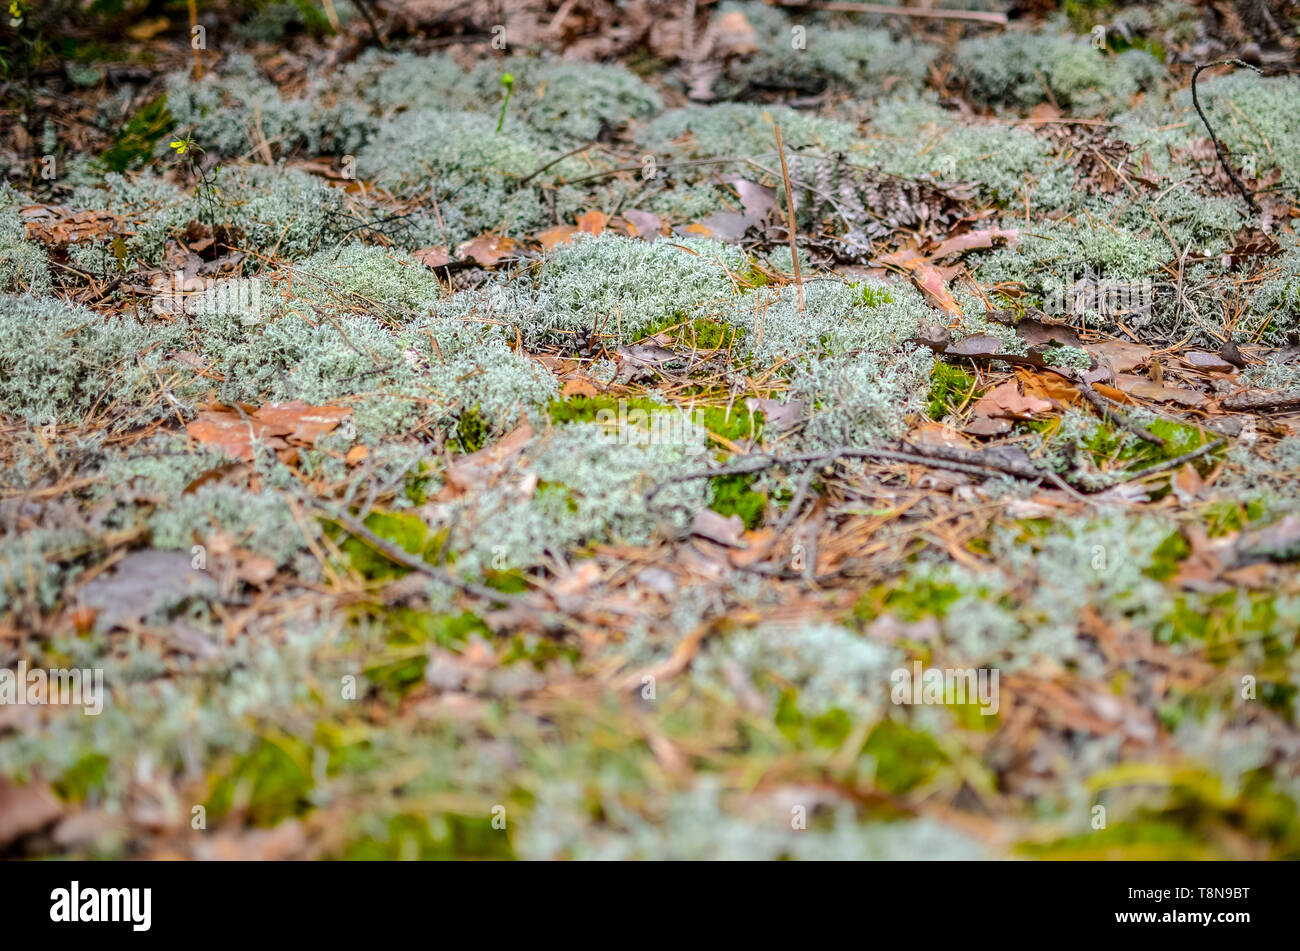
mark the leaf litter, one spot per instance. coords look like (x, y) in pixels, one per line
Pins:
(1022, 398)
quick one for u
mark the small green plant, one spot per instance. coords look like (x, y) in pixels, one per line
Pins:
(508, 81)
(134, 143)
(472, 431)
(734, 495)
(206, 191)
(950, 388)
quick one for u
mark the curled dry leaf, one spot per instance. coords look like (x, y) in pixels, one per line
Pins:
(437, 255)
(644, 224)
(1120, 355)
(930, 282)
(733, 35)
(1204, 360)
(593, 222)
(483, 467)
(725, 530)
(973, 240)
(234, 431)
(1155, 392)
(486, 250)
(25, 809)
(578, 387)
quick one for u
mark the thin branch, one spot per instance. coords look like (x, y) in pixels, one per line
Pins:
(789, 206)
(401, 556)
(1108, 411)
(1262, 402)
(1177, 462)
(370, 20)
(1218, 146)
(556, 161)
(953, 459)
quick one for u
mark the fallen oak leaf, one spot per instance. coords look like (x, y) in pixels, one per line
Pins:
(577, 387)
(486, 250)
(974, 240)
(1155, 392)
(726, 226)
(644, 224)
(1048, 386)
(25, 809)
(1037, 333)
(235, 434)
(552, 238)
(593, 222)
(1120, 354)
(975, 345)
(758, 201)
(234, 431)
(725, 530)
(437, 255)
(930, 282)
(1204, 360)
(987, 426)
(1006, 401)
(304, 423)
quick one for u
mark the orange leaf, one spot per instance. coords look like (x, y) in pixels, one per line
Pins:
(486, 249)
(1047, 386)
(233, 434)
(275, 425)
(434, 256)
(972, 240)
(1005, 400)
(303, 423)
(930, 282)
(552, 238)
(593, 222)
(578, 387)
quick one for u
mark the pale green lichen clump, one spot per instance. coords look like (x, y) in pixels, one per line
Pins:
(667, 685)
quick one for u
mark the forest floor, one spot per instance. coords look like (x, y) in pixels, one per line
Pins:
(421, 425)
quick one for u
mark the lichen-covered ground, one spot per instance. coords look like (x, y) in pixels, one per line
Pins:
(434, 475)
